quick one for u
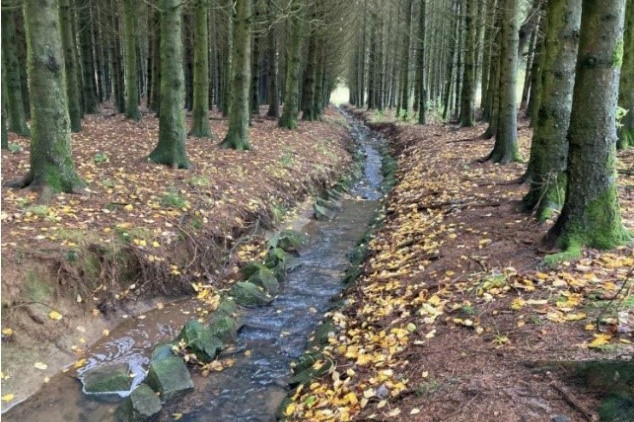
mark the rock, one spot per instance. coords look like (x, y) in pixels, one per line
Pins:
(200, 340)
(332, 204)
(227, 306)
(560, 418)
(617, 408)
(224, 327)
(107, 379)
(291, 240)
(141, 406)
(322, 213)
(277, 260)
(248, 294)
(251, 268)
(170, 377)
(162, 351)
(266, 279)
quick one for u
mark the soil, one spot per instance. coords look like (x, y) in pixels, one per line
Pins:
(454, 317)
(141, 234)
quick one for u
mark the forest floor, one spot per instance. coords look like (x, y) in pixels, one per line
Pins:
(453, 318)
(142, 232)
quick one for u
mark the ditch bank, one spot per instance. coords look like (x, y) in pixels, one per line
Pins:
(78, 267)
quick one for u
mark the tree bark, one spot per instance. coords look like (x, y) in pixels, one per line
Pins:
(130, 25)
(70, 62)
(171, 149)
(200, 114)
(274, 91)
(293, 65)
(505, 149)
(421, 64)
(88, 63)
(626, 90)
(467, 107)
(591, 215)
(549, 148)
(51, 159)
(17, 116)
(238, 133)
(308, 94)
(403, 104)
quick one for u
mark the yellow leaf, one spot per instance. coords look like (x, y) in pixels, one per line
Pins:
(414, 411)
(600, 340)
(290, 409)
(177, 416)
(40, 365)
(129, 207)
(8, 397)
(54, 315)
(517, 304)
(7, 331)
(394, 412)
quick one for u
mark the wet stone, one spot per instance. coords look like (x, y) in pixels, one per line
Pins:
(251, 268)
(249, 295)
(227, 306)
(266, 279)
(291, 240)
(162, 351)
(224, 327)
(142, 405)
(107, 379)
(200, 340)
(322, 213)
(170, 377)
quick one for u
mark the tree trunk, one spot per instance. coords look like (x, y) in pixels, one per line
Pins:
(130, 26)
(534, 97)
(227, 82)
(200, 115)
(467, 106)
(238, 133)
(421, 64)
(318, 103)
(171, 149)
(88, 63)
(274, 91)
(404, 98)
(4, 132)
(591, 214)
(549, 148)
(72, 74)
(308, 94)
(451, 61)
(254, 100)
(17, 119)
(293, 65)
(52, 165)
(626, 90)
(505, 149)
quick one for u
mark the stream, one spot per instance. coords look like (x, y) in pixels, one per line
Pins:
(270, 339)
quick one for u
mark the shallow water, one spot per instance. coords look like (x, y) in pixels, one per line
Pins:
(274, 335)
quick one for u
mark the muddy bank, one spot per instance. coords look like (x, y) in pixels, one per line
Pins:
(144, 236)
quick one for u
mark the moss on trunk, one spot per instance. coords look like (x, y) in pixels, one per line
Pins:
(171, 149)
(238, 133)
(17, 117)
(51, 159)
(200, 114)
(549, 148)
(591, 215)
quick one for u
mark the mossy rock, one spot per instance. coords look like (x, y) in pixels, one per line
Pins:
(248, 294)
(224, 327)
(227, 306)
(251, 268)
(142, 405)
(617, 408)
(322, 213)
(170, 377)
(266, 279)
(200, 340)
(332, 204)
(162, 351)
(107, 379)
(277, 260)
(609, 376)
(322, 333)
(291, 240)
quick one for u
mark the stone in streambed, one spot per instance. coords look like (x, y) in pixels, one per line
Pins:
(200, 340)
(323, 213)
(170, 377)
(224, 327)
(162, 351)
(251, 268)
(107, 379)
(248, 294)
(141, 406)
(290, 240)
(266, 279)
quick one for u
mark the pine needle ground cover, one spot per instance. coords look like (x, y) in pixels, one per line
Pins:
(453, 318)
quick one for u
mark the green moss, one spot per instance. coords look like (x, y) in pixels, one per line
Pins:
(617, 58)
(173, 200)
(37, 290)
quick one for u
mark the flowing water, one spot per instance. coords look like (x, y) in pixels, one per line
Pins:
(271, 338)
